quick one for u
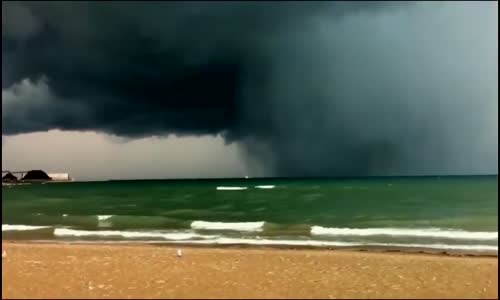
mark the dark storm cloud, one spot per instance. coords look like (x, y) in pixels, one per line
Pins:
(310, 88)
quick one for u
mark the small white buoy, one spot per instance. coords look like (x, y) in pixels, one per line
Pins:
(4, 254)
(179, 253)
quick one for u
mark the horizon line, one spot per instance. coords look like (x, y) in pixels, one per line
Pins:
(288, 177)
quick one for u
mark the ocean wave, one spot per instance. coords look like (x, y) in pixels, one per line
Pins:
(231, 188)
(410, 232)
(264, 186)
(239, 226)
(317, 243)
(7, 227)
(192, 237)
(131, 234)
(313, 243)
(104, 217)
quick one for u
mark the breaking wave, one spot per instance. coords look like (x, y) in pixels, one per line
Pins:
(7, 227)
(264, 186)
(131, 234)
(238, 226)
(409, 232)
(231, 188)
(104, 218)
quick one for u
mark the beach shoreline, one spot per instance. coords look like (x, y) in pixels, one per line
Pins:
(369, 249)
(138, 270)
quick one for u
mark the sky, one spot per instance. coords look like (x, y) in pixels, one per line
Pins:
(229, 89)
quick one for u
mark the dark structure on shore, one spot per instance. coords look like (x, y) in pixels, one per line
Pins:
(33, 176)
(9, 177)
(36, 175)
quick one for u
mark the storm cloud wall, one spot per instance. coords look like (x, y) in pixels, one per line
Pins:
(307, 89)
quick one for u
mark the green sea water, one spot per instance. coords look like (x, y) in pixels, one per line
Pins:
(450, 211)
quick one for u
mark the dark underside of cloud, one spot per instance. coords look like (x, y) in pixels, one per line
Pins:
(307, 88)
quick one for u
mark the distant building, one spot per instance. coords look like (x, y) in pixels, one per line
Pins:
(60, 176)
(37, 175)
(34, 176)
(9, 177)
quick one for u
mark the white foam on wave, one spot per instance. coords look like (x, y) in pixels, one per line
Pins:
(263, 242)
(238, 226)
(410, 232)
(231, 188)
(7, 227)
(194, 238)
(265, 186)
(104, 217)
(317, 243)
(131, 234)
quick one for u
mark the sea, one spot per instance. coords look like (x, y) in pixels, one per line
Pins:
(441, 213)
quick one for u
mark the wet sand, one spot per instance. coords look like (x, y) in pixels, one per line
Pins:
(33, 270)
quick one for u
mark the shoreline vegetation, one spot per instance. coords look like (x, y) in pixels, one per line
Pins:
(98, 270)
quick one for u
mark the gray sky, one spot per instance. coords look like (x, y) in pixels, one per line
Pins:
(92, 156)
(264, 89)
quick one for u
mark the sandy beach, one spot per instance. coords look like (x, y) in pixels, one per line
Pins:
(146, 271)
